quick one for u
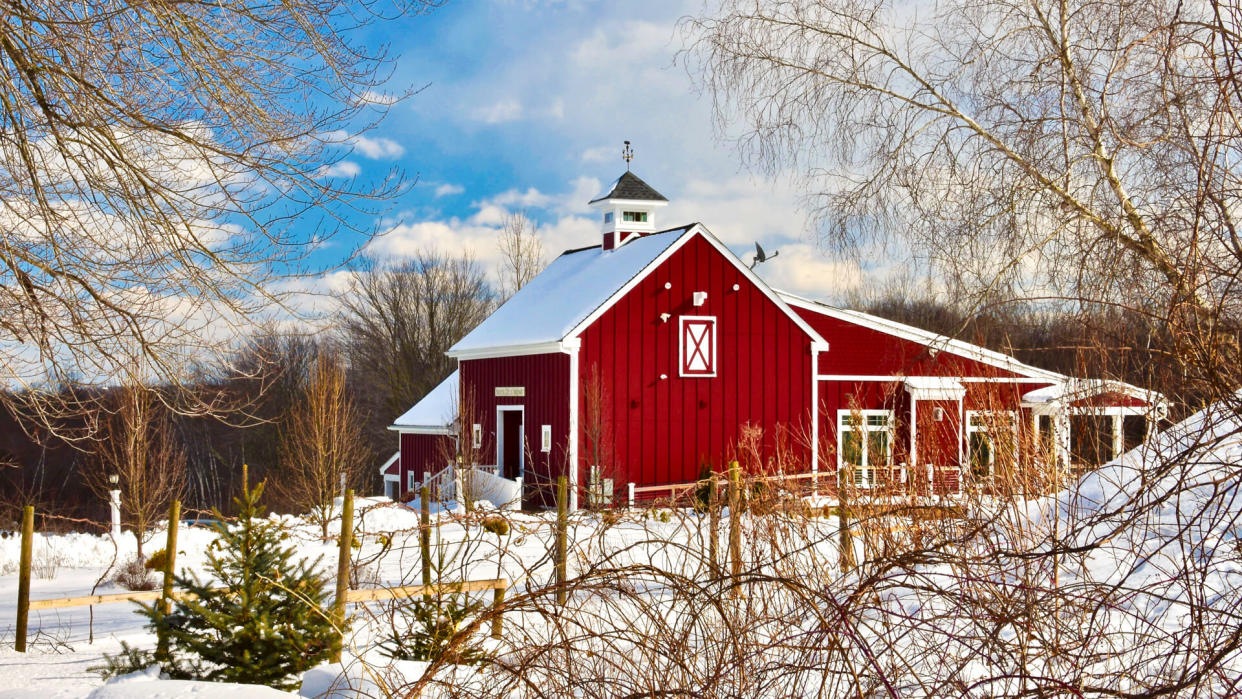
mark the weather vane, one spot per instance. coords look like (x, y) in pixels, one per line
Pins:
(627, 155)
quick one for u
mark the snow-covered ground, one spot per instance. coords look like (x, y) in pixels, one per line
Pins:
(1147, 587)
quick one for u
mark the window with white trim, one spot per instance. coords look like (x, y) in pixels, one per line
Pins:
(634, 216)
(991, 438)
(864, 441)
(545, 438)
(409, 481)
(697, 346)
(477, 436)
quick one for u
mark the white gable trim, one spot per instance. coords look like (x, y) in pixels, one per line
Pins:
(700, 229)
(392, 459)
(925, 337)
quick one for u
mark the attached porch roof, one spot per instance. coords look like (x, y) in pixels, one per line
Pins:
(934, 388)
(1091, 393)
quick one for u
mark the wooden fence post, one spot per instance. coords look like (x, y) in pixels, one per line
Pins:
(735, 524)
(498, 599)
(562, 526)
(424, 533)
(346, 544)
(23, 580)
(629, 501)
(170, 568)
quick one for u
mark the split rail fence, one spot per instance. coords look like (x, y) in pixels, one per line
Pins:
(165, 596)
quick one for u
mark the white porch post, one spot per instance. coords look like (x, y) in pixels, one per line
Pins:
(572, 346)
(1062, 439)
(1119, 441)
(114, 500)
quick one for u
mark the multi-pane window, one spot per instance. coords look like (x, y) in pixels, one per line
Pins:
(991, 440)
(865, 441)
(634, 216)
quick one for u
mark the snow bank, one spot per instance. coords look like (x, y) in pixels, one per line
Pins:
(146, 684)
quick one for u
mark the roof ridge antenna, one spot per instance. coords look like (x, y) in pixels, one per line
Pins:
(627, 154)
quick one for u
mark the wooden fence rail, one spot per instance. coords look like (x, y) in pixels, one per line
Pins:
(167, 594)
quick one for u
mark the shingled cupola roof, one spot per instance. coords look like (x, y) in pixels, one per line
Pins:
(628, 210)
(630, 187)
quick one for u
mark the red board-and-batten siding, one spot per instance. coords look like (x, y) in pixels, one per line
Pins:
(545, 380)
(662, 429)
(866, 368)
(422, 453)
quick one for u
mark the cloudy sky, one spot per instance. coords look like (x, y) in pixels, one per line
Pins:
(526, 105)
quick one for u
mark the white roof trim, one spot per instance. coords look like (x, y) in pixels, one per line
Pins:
(396, 455)
(421, 429)
(934, 388)
(724, 250)
(507, 351)
(925, 337)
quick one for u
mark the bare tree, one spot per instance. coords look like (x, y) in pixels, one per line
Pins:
(137, 446)
(1083, 151)
(323, 449)
(397, 322)
(160, 168)
(521, 252)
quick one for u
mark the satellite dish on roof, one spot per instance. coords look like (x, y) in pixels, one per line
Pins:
(761, 256)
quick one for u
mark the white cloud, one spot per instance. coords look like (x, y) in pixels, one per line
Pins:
(343, 168)
(373, 148)
(377, 148)
(499, 113)
(601, 154)
(448, 189)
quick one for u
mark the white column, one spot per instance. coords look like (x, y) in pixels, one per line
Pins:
(815, 419)
(573, 346)
(1062, 439)
(114, 500)
(1119, 440)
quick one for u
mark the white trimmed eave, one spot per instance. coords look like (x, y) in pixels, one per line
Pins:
(506, 351)
(421, 429)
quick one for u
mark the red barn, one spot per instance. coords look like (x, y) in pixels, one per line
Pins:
(654, 354)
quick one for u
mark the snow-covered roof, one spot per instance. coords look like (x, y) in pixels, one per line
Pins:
(435, 412)
(1070, 390)
(934, 387)
(925, 337)
(565, 293)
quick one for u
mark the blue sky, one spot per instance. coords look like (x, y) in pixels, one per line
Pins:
(526, 107)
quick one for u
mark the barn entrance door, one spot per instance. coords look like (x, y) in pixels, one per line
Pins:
(510, 456)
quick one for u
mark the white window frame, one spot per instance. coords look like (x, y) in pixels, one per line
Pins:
(477, 436)
(681, 347)
(634, 217)
(865, 472)
(409, 480)
(985, 427)
(545, 438)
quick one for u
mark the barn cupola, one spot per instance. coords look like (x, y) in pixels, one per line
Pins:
(628, 210)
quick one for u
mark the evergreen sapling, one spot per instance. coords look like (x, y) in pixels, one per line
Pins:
(269, 622)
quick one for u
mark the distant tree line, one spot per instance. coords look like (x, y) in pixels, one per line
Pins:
(310, 410)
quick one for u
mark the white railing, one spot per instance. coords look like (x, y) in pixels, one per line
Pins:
(485, 483)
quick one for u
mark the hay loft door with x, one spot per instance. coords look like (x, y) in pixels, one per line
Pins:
(698, 346)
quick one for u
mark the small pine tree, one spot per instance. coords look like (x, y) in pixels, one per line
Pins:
(268, 624)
